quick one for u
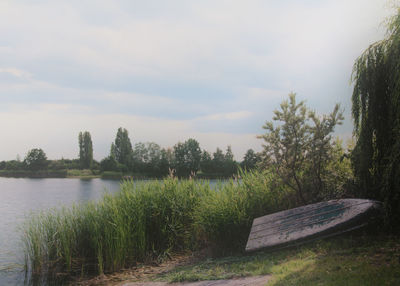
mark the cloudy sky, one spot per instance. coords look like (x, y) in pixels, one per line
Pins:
(172, 70)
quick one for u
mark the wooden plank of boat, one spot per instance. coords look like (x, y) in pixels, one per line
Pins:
(302, 223)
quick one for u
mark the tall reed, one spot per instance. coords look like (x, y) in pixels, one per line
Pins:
(223, 219)
(147, 220)
(121, 229)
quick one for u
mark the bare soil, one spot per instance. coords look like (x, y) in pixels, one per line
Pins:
(247, 281)
(141, 274)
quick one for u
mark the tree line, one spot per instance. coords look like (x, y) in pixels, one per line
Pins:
(185, 159)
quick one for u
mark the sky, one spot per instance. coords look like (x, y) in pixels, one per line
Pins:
(172, 70)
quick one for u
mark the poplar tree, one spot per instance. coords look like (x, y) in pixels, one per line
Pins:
(85, 149)
(122, 148)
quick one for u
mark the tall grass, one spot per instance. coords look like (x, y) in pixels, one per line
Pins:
(146, 220)
(114, 233)
(223, 218)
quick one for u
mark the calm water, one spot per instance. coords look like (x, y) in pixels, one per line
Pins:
(18, 197)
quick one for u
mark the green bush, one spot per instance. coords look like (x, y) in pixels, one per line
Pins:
(112, 175)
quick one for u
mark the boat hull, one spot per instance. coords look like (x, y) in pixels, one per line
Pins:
(310, 221)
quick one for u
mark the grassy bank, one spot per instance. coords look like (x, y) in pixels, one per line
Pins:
(33, 174)
(146, 221)
(83, 173)
(346, 260)
(73, 173)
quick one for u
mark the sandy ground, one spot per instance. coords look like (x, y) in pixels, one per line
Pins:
(137, 276)
(247, 281)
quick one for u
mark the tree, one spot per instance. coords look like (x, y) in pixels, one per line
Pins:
(85, 149)
(230, 166)
(218, 161)
(36, 160)
(229, 154)
(300, 148)
(147, 158)
(376, 114)
(187, 157)
(122, 148)
(109, 164)
(206, 164)
(250, 160)
(165, 162)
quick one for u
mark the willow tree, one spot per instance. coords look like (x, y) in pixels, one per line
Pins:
(376, 114)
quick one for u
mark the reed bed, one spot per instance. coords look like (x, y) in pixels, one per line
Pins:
(145, 221)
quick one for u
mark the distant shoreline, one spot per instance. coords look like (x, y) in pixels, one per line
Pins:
(88, 174)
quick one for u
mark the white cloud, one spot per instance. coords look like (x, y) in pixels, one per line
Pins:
(16, 72)
(227, 116)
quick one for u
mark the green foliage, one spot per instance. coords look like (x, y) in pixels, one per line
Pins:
(251, 160)
(142, 221)
(219, 165)
(81, 173)
(12, 165)
(223, 219)
(376, 113)
(85, 150)
(36, 159)
(64, 164)
(121, 149)
(187, 158)
(206, 164)
(108, 164)
(112, 175)
(150, 160)
(300, 149)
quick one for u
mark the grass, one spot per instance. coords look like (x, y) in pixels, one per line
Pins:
(349, 260)
(33, 174)
(112, 175)
(84, 173)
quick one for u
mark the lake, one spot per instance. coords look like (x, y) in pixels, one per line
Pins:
(21, 196)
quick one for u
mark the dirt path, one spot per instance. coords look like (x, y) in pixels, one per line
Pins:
(247, 281)
(142, 273)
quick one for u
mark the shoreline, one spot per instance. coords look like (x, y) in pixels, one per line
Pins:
(94, 174)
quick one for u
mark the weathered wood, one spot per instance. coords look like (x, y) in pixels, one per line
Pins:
(308, 221)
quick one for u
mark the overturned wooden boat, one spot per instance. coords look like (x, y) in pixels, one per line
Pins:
(311, 221)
